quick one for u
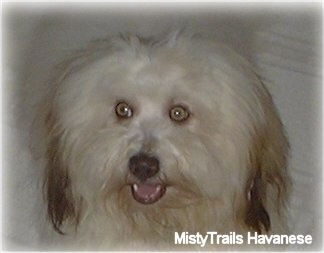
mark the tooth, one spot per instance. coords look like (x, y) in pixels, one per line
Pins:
(135, 187)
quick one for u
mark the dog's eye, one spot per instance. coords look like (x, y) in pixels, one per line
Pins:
(179, 113)
(123, 110)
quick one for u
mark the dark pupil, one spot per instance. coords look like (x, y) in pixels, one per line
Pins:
(177, 113)
(123, 109)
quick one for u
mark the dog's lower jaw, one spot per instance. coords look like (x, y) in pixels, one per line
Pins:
(111, 227)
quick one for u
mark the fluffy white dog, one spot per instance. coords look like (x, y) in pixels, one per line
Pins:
(146, 137)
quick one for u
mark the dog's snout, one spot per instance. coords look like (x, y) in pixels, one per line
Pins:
(143, 166)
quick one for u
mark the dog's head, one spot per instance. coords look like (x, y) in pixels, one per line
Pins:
(144, 125)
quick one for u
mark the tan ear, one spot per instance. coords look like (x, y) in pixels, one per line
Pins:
(267, 185)
(57, 185)
(257, 217)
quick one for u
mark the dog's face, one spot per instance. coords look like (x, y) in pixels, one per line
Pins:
(163, 126)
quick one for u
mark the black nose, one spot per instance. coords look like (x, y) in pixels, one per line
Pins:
(143, 166)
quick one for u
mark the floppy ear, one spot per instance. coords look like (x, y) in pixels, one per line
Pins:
(257, 217)
(266, 188)
(57, 184)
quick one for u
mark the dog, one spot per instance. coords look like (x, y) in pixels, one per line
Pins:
(145, 137)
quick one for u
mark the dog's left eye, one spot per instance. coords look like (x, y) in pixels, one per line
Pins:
(123, 110)
(179, 113)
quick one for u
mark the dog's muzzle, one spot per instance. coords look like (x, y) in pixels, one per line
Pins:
(148, 189)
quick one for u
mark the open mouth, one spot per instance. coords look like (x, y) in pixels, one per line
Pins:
(147, 193)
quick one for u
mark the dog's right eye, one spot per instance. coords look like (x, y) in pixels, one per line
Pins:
(123, 110)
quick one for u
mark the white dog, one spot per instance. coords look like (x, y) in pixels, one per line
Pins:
(148, 137)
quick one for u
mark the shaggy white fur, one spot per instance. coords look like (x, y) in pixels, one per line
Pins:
(145, 137)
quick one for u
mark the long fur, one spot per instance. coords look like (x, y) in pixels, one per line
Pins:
(225, 167)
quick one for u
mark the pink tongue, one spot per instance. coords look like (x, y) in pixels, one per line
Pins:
(146, 190)
(147, 193)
